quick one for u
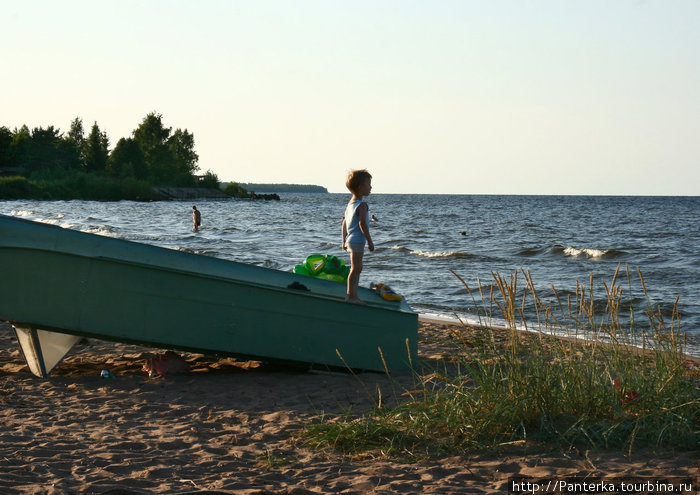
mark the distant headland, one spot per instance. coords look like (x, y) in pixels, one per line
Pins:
(286, 188)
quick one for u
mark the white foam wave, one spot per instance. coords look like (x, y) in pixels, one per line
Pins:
(438, 254)
(590, 252)
(99, 231)
(50, 221)
(21, 213)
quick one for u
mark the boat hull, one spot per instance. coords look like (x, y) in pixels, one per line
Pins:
(82, 284)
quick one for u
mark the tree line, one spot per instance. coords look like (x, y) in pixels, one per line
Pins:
(153, 155)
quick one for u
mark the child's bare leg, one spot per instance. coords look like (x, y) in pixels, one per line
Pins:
(354, 277)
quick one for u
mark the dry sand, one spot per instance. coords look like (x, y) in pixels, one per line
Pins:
(232, 427)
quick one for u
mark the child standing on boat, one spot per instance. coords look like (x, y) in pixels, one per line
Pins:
(356, 228)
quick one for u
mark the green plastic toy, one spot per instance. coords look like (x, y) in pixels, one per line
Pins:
(324, 266)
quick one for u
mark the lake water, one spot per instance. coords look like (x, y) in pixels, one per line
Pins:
(420, 238)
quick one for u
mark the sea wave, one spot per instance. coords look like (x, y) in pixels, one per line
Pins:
(105, 230)
(50, 221)
(205, 252)
(572, 251)
(443, 254)
(22, 213)
(590, 252)
(531, 251)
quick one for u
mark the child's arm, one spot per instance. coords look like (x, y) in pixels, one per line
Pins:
(345, 234)
(364, 226)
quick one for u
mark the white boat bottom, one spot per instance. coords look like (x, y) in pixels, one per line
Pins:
(43, 350)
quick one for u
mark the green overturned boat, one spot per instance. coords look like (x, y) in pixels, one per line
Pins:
(58, 285)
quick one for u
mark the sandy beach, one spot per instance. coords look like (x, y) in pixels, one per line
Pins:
(233, 427)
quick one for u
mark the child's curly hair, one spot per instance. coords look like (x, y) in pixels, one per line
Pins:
(355, 178)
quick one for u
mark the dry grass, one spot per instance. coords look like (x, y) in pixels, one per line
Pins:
(625, 386)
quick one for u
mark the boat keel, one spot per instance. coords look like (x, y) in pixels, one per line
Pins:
(43, 350)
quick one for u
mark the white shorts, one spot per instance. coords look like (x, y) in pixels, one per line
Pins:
(355, 247)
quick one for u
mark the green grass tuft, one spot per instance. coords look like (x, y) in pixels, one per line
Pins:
(539, 388)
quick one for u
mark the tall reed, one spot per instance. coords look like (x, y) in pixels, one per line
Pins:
(612, 385)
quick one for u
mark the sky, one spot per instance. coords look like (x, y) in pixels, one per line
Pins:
(451, 97)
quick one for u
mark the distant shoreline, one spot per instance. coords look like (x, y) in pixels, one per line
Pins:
(268, 188)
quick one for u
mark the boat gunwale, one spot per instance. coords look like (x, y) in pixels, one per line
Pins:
(397, 306)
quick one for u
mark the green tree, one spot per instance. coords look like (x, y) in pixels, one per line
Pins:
(19, 148)
(170, 156)
(76, 136)
(210, 180)
(5, 147)
(152, 136)
(127, 160)
(151, 133)
(181, 143)
(68, 154)
(96, 150)
(42, 151)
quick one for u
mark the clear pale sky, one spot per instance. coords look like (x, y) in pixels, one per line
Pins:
(490, 96)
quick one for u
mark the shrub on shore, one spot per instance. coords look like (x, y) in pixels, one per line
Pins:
(84, 186)
(14, 187)
(235, 190)
(602, 392)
